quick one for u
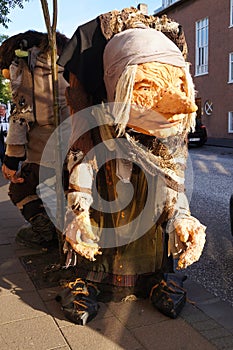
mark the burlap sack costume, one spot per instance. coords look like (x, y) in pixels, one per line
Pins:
(25, 61)
(144, 131)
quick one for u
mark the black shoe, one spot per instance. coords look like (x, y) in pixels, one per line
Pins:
(31, 239)
(79, 301)
(169, 296)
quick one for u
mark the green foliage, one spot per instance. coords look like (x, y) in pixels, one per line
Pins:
(5, 90)
(3, 37)
(5, 7)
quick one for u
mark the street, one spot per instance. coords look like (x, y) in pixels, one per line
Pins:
(209, 183)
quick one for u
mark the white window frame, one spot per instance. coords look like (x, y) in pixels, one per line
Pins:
(202, 46)
(230, 122)
(230, 79)
(167, 3)
(231, 13)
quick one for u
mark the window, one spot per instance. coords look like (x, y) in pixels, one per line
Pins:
(201, 59)
(231, 67)
(167, 3)
(231, 13)
(230, 122)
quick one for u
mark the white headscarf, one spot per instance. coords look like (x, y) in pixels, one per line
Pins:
(135, 46)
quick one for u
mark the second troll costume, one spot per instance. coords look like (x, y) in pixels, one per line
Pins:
(140, 130)
(25, 60)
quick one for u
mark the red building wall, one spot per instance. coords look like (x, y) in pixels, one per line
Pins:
(213, 86)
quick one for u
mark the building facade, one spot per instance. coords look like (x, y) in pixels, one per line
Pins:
(166, 3)
(208, 27)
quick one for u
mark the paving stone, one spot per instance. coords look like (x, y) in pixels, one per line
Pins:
(5, 240)
(107, 333)
(56, 312)
(16, 283)
(206, 325)
(104, 311)
(3, 344)
(12, 222)
(172, 334)
(225, 343)
(192, 314)
(48, 294)
(38, 333)
(6, 252)
(210, 305)
(10, 266)
(196, 292)
(21, 250)
(4, 189)
(221, 311)
(215, 333)
(62, 348)
(136, 313)
(25, 305)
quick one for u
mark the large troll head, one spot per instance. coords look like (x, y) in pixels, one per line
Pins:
(147, 77)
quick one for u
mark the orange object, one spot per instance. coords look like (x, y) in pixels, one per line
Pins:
(6, 73)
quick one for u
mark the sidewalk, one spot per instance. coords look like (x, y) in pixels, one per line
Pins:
(219, 142)
(30, 318)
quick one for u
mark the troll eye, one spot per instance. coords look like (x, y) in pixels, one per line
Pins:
(143, 87)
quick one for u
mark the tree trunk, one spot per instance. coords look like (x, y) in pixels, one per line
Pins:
(51, 29)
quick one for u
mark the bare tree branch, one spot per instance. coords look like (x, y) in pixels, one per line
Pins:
(52, 42)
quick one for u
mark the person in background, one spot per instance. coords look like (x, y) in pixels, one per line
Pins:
(25, 60)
